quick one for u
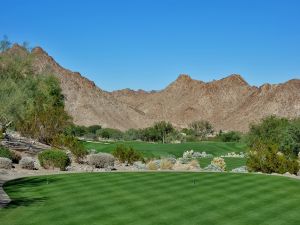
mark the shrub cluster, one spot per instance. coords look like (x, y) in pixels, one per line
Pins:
(166, 164)
(219, 162)
(12, 155)
(191, 165)
(152, 165)
(267, 159)
(101, 160)
(54, 158)
(274, 145)
(71, 143)
(127, 154)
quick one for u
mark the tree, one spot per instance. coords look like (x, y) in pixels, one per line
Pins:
(150, 134)
(290, 143)
(75, 130)
(163, 128)
(110, 133)
(45, 116)
(270, 130)
(32, 102)
(201, 128)
(231, 136)
(4, 44)
(93, 129)
(132, 134)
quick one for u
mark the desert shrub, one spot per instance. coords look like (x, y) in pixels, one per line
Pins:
(5, 153)
(27, 163)
(194, 164)
(152, 165)
(187, 156)
(267, 159)
(5, 163)
(219, 162)
(54, 158)
(231, 136)
(166, 164)
(201, 128)
(15, 156)
(127, 154)
(71, 143)
(274, 144)
(191, 165)
(101, 160)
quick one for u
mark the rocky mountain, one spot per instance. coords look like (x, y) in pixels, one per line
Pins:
(229, 104)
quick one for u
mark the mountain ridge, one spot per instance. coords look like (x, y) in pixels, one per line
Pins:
(229, 103)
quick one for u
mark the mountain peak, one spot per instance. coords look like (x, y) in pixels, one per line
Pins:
(235, 78)
(183, 77)
(39, 51)
(17, 49)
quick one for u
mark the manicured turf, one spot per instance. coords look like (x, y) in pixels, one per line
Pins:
(153, 198)
(157, 150)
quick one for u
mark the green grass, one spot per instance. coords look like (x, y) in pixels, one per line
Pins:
(153, 198)
(159, 150)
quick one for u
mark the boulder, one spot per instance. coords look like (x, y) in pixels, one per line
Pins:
(5, 163)
(27, 163)
(242, 169)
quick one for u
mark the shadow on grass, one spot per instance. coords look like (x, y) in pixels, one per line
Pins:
(17, 202)
(15, 189)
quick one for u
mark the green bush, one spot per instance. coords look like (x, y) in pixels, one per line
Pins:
(231, 136)
(14, 156)
(267, 159)
(5, 153)
(127, 154)
(54, 158)
(274, 145)
(71, 143)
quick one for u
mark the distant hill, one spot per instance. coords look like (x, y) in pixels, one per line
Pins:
(229, 104)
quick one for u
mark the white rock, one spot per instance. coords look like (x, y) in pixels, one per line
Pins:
(5, 163)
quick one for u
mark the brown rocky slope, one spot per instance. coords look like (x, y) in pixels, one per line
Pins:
(229, 104)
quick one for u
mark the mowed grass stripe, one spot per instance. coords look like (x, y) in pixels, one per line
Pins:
(158, 149)
(153, 198)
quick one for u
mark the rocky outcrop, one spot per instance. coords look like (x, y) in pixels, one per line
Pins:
(14, 141)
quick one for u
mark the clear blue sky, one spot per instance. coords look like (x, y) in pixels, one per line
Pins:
(148, 43)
